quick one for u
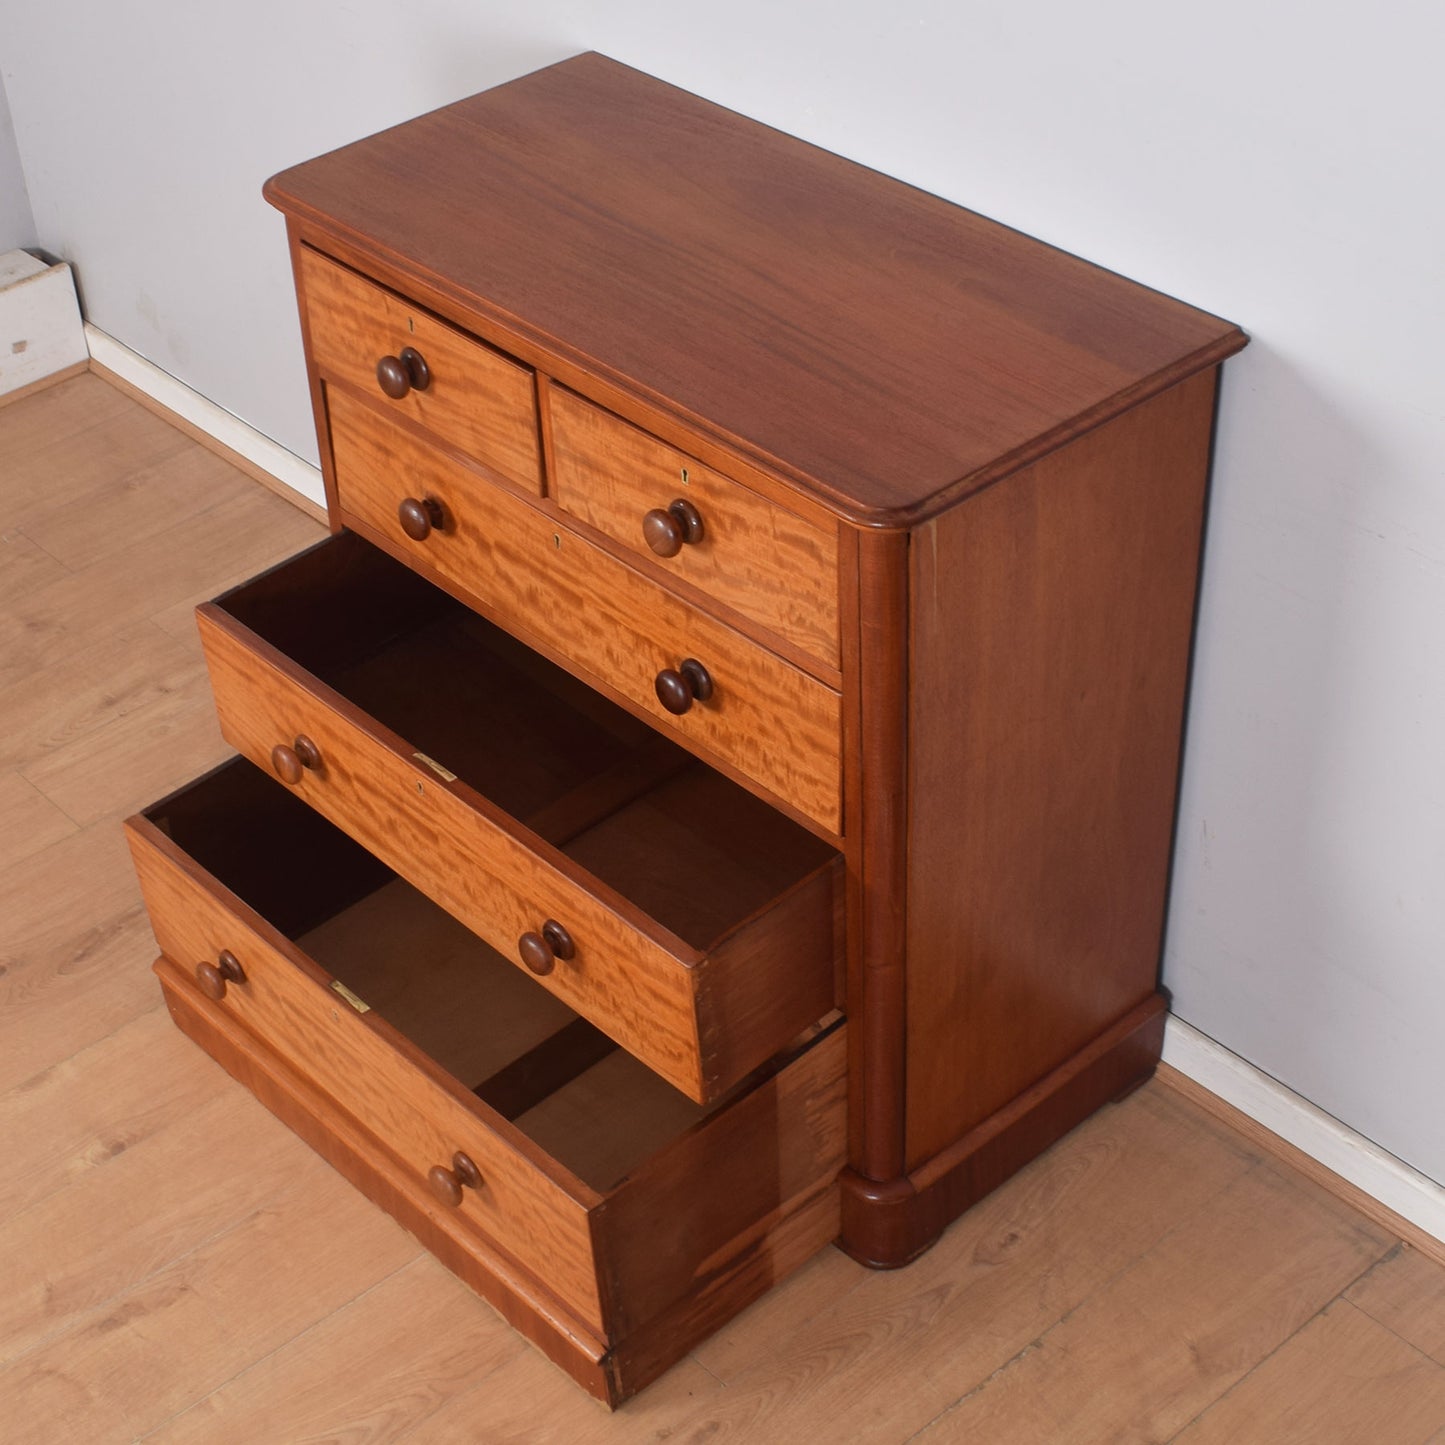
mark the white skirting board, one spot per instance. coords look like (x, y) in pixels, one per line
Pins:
(1354, 1158)
(215, 421)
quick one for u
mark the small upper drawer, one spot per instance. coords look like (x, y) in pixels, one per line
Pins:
(472, 397)
(764, 560)
(685, 918)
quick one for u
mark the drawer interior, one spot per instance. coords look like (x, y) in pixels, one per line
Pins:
(695, 850)
(587, 1103)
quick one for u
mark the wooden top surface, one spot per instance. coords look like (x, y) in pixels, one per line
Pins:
(884, 348)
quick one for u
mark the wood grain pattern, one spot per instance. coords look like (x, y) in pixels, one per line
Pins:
(389, 1359)
(111, 675)
(32, 388)
(1050, 628)
(633, 978)
(689, 1212)
(1343, 1380)
(478, 401)
(419, 1114)
(681, 252)
(110, 772)
(1273, 1264)
(1295, 1159)
(756, 556)
(876, 724)
(601, 619)
(54, 620)
(151, 499)
(176, 1327)
(227, 456)
(1406, 1294)
(74, 443)
(29, 821)
(87, 1111)
(70, 1254)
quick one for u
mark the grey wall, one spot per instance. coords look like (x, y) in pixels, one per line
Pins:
(1275, 163)
(17, 225)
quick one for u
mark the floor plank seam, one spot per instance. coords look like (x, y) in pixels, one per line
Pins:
(1252, 1162)
(283, 1345)
(1338, 1298)
(1178, 1226)
(1032, 1347)
(1390, 1330)
(712, 1373)
(41, 547)
(449, 1403)
(1385, 1325)
(30, 1081)
(99, 1307)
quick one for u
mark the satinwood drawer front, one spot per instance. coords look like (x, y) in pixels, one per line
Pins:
(469, 396)
(520, 1131)
(761, 559)
(767, 719)
(684, 917)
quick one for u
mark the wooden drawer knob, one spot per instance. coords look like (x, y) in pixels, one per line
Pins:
(397, 375)
(419, 516)
(540, 951)
(213, 977)
(289, 763)
(678, 688)
(447, 1184)
(666, 529)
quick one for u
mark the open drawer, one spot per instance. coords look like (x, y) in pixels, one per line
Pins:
(686, 919)
(606, 1215)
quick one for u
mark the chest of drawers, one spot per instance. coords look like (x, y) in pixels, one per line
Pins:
(712, 794)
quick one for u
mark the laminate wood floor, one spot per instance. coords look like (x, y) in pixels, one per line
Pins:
(176, 1266)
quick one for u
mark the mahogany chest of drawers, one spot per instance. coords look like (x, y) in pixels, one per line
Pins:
(712, 795)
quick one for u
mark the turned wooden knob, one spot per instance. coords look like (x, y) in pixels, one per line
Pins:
(447, 1184)
(678, 688)
(213, 977)
(419, 516)
(289, 763)
(667, 529)
(540, 951)
(397, 375)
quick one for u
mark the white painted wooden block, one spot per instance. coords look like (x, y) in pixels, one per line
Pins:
(40, 327)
